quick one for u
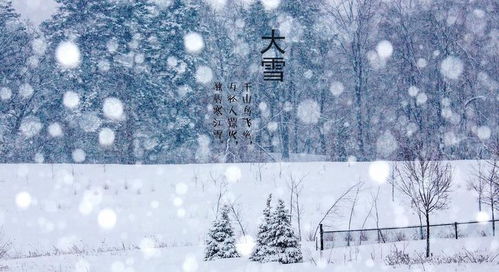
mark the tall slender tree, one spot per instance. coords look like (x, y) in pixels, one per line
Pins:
(283, 239)
(264, 252)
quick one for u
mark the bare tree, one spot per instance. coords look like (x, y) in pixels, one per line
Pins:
(295, 187)
(488, 177)
(335, 204)
(477, 184)
(427, 183)
(353, 21)
(222, 189)
(381, 238)
(236, 211)
(352, 210)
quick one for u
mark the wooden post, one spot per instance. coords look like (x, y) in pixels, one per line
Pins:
(455, 228)
(321, 231)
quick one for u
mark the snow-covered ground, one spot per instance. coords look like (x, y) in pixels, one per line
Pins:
(113, 217)
(185, 259)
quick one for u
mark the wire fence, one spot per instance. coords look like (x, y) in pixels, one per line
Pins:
(355, 237)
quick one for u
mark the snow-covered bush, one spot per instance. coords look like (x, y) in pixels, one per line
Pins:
(220, 242)
(399, 257)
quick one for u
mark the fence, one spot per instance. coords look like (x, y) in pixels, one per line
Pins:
(456, 230)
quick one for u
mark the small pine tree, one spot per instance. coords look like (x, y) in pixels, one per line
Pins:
(263, 251)
(220, 243)
(283, 239)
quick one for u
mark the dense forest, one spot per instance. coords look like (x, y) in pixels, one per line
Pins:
(363, 80)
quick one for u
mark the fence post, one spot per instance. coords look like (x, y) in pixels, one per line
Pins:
(321, 231)
(455, 228)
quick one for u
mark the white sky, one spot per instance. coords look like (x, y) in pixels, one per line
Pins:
(35, 10)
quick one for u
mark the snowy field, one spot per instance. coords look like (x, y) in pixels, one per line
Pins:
(363, 258)
(155, 217)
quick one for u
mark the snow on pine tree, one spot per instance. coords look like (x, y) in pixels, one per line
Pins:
(263, 251)
(283, 238)
(220, 242)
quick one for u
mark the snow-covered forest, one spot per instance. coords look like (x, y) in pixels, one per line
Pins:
(131, 81)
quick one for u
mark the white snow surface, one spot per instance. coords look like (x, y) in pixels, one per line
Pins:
(155, 217)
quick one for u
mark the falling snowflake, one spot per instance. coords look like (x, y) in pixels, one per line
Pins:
(386, 144)
(172, 61)
(177, 202)
(148, 248)
(26, 90)
(309, 112)
(39, 46)
(112, 46)
(5, 93)
(39, 158)
(336, 88)
(30, 126)
(203, 151)
(482, 217)
(104, 65)
(262, 106)
(183, 90)
(413, 91)
(483, 132)
(384, 49)
(379, 171)
(23, 200)
(421, 98)
(193, 42)
(55, 130)
(181, 213)
(106, 137)
(113, 108)
(204, 74)
(245, 245)
(91, 198)
(272, 126)
(450, 138)
(233, 173)
(217, 4)
(107, 218)
(451, 67)
(270, 4)
(375, 60)
(78, 155)
(71, 99)
(89, 122)
(68, 55)
(154, 204)
(447, 113)
(181, 188)
(421, 63)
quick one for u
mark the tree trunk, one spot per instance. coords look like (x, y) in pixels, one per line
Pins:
(427, 235)
(493, 218)
(284, 129)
